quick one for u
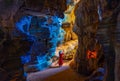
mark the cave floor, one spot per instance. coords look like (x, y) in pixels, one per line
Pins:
(63, 73)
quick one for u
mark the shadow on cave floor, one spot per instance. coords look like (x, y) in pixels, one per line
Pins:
(64, 73)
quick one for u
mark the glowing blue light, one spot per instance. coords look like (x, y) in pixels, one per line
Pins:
(61, 35)
(25, 59)
(25, 74)
(42, 62)
(24, 24)
(41, 59)
(42, 32)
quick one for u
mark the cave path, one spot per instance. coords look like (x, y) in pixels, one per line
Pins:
(63, 73)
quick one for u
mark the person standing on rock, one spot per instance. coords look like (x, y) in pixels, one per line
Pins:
(60, 58)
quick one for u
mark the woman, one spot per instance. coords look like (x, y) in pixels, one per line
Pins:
(60, 58)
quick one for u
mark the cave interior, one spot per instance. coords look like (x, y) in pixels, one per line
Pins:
(42, 39)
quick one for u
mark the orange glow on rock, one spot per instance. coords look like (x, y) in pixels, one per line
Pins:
(91, 54)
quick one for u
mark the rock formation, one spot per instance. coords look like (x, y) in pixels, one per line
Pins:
(86, 24)
(97, 21)
(31, 31)
(117, 44)
(22, 39)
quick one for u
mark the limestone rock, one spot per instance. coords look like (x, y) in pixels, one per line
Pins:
(69, 34)
(86, 23)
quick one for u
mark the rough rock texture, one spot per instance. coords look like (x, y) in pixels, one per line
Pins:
(69, 21)
(110, 38)
(11, 50)
(69, 48)
(16, 45)
(85, 27)
(7, 11)
(49, 7)
(69, 34)
(91, 21)
(117, 47)
(45, 32)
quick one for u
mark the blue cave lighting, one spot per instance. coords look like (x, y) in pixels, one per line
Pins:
(46, 33)
(61, 35)
(24, 24)
(25, 59)
(42, 62)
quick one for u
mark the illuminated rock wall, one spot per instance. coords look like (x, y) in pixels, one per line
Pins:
(69, 20)
(46, 33)
(20, 42)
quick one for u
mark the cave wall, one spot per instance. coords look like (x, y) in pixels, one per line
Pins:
(86, 23)
(68, 22)
(46, 34)
(19, 40)
(96, 20)
(117, 47)
(92, 23)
